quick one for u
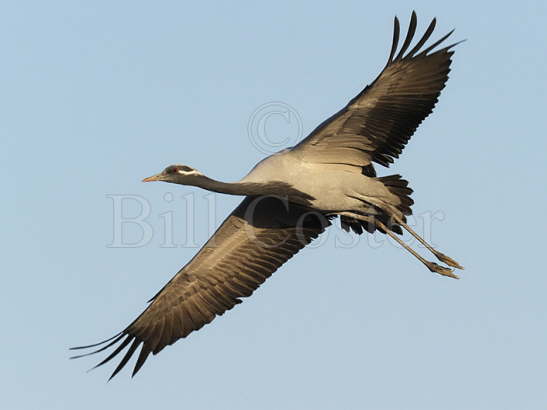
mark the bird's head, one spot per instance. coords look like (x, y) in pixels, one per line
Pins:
(176, 174)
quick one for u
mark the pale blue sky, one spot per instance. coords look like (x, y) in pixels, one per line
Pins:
(97, 95)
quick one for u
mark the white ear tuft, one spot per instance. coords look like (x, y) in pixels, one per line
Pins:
(190, 172)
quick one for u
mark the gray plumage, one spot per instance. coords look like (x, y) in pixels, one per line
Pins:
(292, 196)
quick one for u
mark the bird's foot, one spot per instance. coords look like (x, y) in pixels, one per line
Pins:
(448, 260)
(441, 270)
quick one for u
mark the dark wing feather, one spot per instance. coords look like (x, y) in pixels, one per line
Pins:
(377, 124)
(255, 240)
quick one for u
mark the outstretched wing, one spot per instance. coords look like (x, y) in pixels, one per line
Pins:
(260, 235)
(377, 124)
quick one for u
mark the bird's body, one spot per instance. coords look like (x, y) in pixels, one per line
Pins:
(314, 179)
(292, 196)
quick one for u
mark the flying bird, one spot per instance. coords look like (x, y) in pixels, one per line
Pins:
(293, 195)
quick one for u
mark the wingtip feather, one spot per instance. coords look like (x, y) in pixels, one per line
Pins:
(436, 43)
(126, 358)
(409, 36)
(395, 41)
(120, 336)
(95, 344)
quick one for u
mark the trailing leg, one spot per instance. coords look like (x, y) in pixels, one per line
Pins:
(432, 266)
(439, 255)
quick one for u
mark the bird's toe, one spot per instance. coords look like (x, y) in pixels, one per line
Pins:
(448, 260)
(441, 270)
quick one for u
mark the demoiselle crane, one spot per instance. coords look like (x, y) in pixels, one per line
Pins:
(292, 196)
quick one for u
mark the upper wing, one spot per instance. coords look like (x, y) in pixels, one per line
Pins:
(379, 121)
(259, 236)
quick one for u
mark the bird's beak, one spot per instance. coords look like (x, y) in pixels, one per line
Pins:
(156, 177)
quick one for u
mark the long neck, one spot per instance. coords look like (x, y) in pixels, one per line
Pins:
(232, 188)
(273, 188)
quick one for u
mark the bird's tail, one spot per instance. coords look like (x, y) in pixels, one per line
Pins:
(386, 209)
(399, 187)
